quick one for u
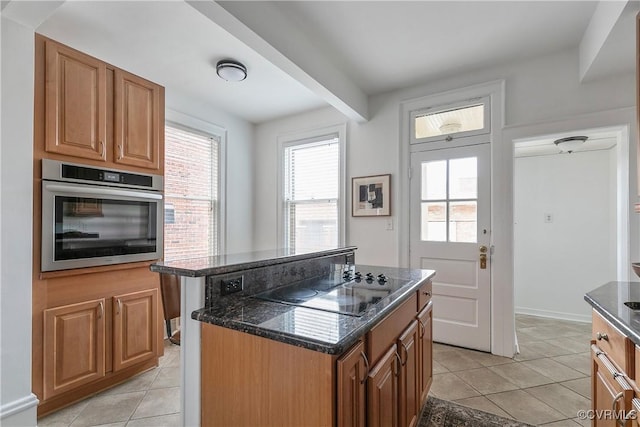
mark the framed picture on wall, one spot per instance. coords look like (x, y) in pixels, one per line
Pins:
(371, 195)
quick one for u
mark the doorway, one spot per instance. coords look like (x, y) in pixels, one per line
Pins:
(569, 221)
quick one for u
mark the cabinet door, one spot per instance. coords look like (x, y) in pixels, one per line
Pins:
(74, 339)
(135, 328)
(425, 351)
(409, 376)
(139, 128)
(382, 394)
(75, 103)
(352, 376)
(610, 392)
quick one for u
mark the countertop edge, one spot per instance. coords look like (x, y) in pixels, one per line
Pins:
(316, 345)
(231, 268)
(617, 323)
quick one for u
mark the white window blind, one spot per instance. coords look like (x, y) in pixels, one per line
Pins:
(312, 192)
(191, 193)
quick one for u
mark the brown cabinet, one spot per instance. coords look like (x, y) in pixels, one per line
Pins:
(352, 377)
(425, 350)
(135, 326)
(137, 119)
(383, 393)
(611, 393)
(76, 103)
(97, 112)
(409, 376)
(74, 346)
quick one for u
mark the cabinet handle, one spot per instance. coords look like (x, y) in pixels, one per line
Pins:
(101, 312)
(366, 365)
(406, 354)
(427, 293)
(119, 306)
(103, 152)
(423, 328)
(601, 336)
(120, 152)
(397, 372)
(613, 407)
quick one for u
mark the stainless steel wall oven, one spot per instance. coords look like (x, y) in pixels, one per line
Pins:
(97, 216)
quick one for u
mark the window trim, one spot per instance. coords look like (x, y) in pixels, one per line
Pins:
(201, 127)
(440, 108)
(307, 137)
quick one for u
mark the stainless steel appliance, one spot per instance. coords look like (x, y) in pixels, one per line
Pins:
(352, 294)
(97, 216)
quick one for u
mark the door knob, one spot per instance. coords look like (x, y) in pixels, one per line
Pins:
(483, 249)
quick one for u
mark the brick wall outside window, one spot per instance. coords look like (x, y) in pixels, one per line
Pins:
(191, 194)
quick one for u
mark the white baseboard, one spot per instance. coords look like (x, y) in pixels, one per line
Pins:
(554, 314)
(20, 412)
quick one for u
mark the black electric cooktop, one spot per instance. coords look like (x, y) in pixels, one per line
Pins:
(352, 293)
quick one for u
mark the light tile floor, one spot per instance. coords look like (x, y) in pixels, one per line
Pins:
(546, 384)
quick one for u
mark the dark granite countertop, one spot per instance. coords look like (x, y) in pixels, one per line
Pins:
(317, 330)
(609, 299)
(229, 263)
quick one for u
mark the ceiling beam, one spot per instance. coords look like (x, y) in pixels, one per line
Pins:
(602, 24)
(262, 27)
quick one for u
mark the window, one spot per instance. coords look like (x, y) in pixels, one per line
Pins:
(451, 121)
(449, 194)
(312, 187)
(191, 193)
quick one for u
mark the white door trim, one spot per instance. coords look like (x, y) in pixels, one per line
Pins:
(502, 306)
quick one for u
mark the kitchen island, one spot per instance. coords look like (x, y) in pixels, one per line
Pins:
(615, 351)
(279, 355)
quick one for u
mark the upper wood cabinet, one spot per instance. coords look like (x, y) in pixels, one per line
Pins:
(137, 118)
(76, 103)
(98, 112)
(74, 346)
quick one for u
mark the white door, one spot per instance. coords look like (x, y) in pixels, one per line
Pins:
(450, 220)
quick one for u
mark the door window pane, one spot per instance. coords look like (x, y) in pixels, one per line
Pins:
(449, 122)
(434, 180)
(463, 178)
(434, 222)
(449, 192)
(463, 222)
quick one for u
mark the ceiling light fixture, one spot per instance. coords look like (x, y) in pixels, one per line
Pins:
(570, 144)
(231, 71)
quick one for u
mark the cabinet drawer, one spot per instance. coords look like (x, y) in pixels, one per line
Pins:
(424, 294)
(618, 348)
(381, 336)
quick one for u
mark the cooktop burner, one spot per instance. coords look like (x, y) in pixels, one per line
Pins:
(350, 293)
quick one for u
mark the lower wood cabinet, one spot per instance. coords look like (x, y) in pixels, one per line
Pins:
(74, 343)
(383, 395)
(352, 377)
(425, 350)
(611, 393)
(135, 337)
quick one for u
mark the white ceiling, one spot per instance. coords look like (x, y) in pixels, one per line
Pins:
(598, 139)
(369, 47)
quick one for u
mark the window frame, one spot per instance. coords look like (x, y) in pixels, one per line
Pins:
(207, 129)
(440, 108)
(309, 137)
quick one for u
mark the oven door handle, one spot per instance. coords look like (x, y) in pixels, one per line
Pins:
(100, 191)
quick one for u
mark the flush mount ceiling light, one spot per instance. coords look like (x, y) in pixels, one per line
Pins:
(231, 71)
(450, 127)
(571, 143)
